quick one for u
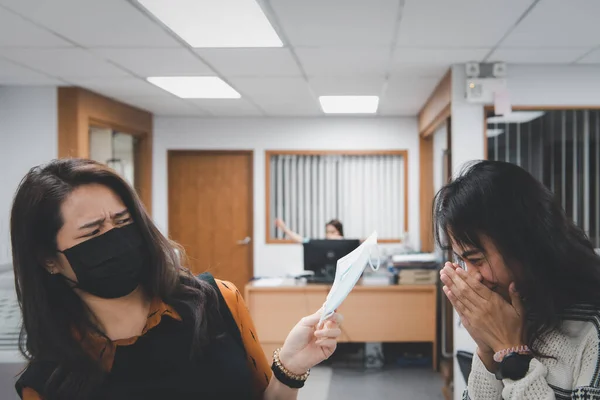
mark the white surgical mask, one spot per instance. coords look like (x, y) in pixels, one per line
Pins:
(348, 271)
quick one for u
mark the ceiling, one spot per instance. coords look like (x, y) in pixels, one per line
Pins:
(396, 49)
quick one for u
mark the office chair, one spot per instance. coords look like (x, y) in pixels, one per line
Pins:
(464, 359)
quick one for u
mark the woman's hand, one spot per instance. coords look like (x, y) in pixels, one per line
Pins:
(310, 342)
(482, 348)
(493, 323)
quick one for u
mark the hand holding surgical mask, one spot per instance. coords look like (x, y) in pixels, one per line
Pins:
(348, 271)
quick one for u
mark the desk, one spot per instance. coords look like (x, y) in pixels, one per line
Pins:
(391, 313)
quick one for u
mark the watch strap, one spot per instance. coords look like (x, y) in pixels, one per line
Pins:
(503, 371)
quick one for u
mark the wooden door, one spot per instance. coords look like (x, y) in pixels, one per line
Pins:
(210, 211)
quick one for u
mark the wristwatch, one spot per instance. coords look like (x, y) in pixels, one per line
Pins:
(514, 366)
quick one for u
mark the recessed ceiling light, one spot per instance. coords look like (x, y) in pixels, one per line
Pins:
(195, 87)
(216, 23)
(516, 117)
(494, 132)
(349, 104)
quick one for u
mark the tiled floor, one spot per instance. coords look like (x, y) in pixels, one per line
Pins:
(349, 384)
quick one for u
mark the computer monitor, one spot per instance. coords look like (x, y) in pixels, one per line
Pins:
(320, 256)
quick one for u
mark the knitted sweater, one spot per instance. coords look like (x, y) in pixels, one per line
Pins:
(573, 373)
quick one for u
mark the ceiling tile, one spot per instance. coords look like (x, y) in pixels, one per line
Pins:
(432, 62)
(156, 62)
(64, 63)
(337, 22)
(399, 110)
(165, 105)
(119, 87)
(251, 62)
(419, 70)
(591, 58)
(458, 23)
(94, 23)
(537, 56)
(12, 74)
(438, 56)
(17, 32)
(404, 94)
(360, 85)
(344, 61)
(558, 23)
(227, 107)
(279, 96)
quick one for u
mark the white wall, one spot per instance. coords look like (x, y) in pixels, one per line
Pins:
(28, 137)
(562, 85)
(440, 145)
(528, 85)
(260, 134)
(467, 145)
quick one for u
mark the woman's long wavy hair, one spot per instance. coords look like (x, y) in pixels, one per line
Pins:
(51, 310)
(554, 263)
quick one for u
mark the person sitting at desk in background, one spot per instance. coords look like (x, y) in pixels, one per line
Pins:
(334, 230)
(110, 312)
(529, 293)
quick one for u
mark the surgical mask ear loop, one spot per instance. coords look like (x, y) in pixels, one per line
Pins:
(378, 258)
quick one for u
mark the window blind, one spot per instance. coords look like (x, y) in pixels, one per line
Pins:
(561, 148)
(365, 192)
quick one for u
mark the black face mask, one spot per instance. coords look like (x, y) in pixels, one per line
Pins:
(110, 265)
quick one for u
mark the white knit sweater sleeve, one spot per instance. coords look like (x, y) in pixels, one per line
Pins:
(534, 386)
(482, 384)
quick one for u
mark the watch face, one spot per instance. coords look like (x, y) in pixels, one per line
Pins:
(515, 366)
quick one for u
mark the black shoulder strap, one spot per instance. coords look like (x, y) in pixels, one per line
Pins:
(230, 325)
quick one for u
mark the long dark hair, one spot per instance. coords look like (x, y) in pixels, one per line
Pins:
(52, 312)
(553, 261)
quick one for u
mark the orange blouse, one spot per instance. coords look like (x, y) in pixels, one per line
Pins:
(257, 361)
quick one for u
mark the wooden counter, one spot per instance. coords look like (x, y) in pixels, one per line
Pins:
(372, 313)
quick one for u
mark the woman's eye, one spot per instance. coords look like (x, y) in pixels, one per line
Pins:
(94, 233)
(124, 221)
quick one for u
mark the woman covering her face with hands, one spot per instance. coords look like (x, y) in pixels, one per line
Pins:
(526, 285)
(109, 312)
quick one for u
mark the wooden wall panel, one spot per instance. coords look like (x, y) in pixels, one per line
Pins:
(437, 108)
(78, 109)
(426, 192)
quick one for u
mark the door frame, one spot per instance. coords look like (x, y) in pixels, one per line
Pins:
(173, 152)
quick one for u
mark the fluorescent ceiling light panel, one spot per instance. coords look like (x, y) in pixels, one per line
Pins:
(516, 117)
(349, 104)
(216, 23)
(195, 87)
(494, 132)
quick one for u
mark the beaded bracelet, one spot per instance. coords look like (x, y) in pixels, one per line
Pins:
(499, 356)
(284, 376)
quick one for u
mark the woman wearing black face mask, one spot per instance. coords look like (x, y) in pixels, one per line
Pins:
(109, 313)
